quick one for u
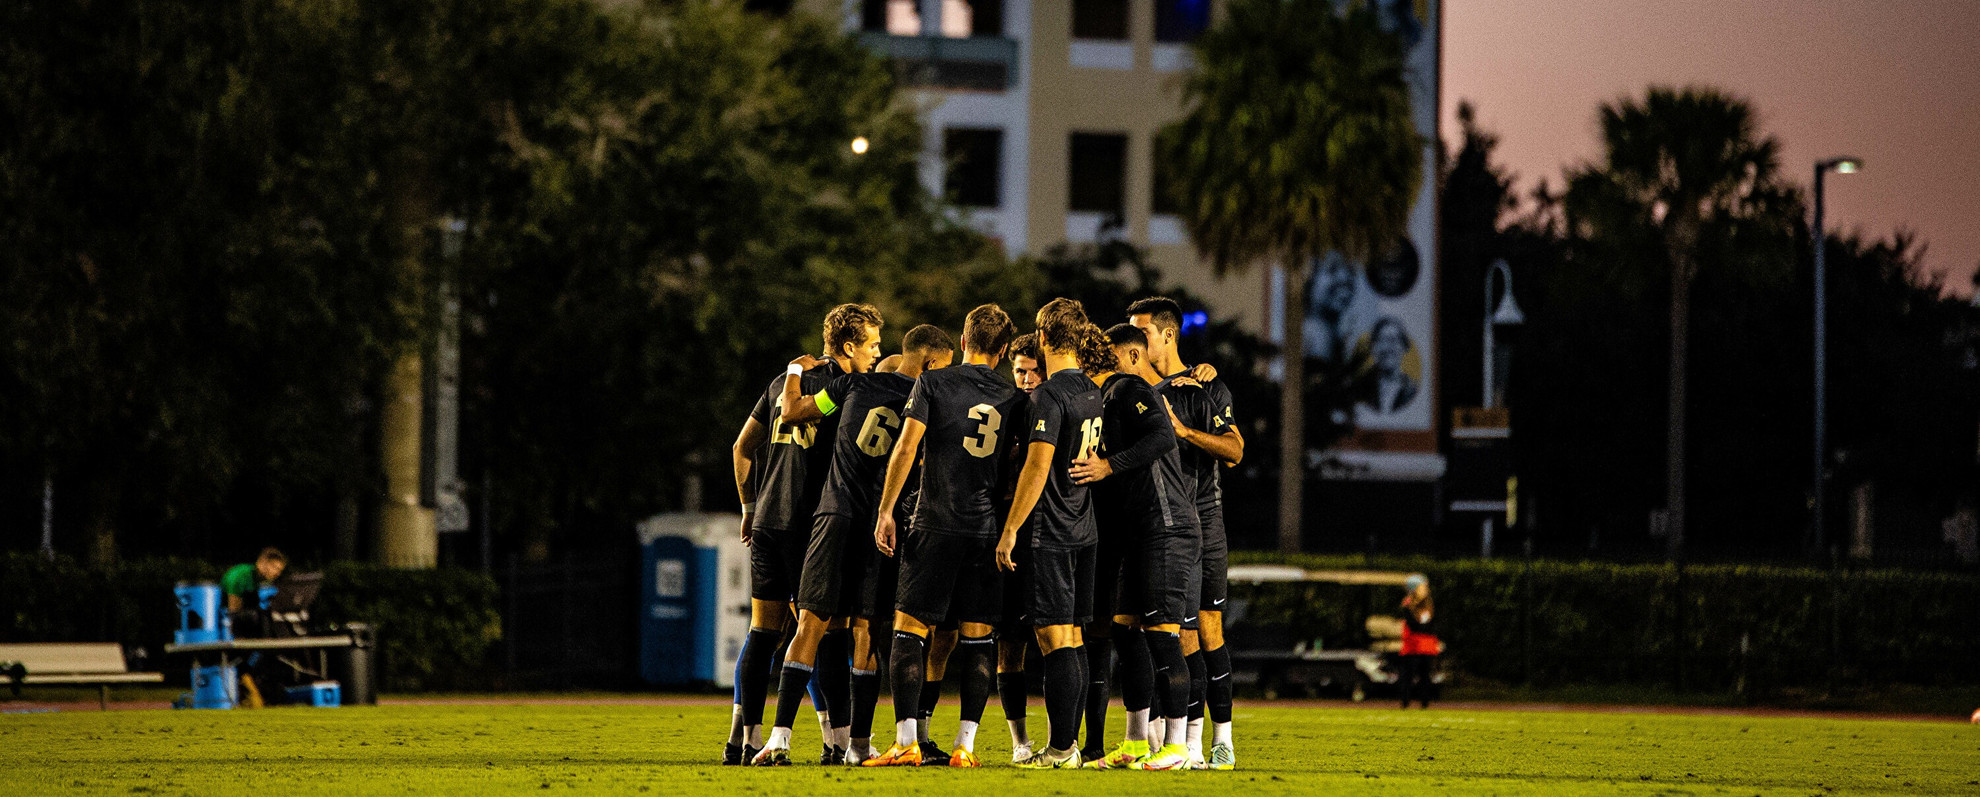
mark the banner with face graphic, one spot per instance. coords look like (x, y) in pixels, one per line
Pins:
(1383, 313)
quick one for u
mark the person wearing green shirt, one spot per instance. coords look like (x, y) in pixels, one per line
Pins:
(242, 583)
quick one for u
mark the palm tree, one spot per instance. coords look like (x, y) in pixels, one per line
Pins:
(1682, 168)
(1296, 140)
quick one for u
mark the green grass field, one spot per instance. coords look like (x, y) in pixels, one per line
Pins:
(670, 749)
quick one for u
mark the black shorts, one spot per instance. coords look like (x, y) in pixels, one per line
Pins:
(776, 558)
(948, 577)
(835, 566)
(1016, 618)
(1107, 574)
(1161, 578)
(1216, 586)
(1061, 586)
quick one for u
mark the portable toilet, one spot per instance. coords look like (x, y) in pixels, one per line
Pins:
(694, 598)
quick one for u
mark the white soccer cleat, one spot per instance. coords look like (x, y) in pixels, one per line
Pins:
(1019, 753)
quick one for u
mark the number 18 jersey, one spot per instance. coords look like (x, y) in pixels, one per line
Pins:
(972, 416)
(1066, 412)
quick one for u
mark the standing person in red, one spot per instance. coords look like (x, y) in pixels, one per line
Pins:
(1420, 645)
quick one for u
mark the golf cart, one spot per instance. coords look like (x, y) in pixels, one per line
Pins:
(1349, 658)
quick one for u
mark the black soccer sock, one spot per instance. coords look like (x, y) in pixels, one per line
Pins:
(1012, 691)
(1063, 695)
(1137, 673)
(753, 664)
(1099, 683)
(1217, 667)
(865, 696)
(1197, 685)
(931, 694)
(790, 692)
(977, 658)
(1171, 674)
(835, 675)
(905, 668)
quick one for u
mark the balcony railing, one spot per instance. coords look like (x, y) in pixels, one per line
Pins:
(981, 63)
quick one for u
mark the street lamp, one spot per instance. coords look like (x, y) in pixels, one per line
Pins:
(1508, 314)
(1842, 165)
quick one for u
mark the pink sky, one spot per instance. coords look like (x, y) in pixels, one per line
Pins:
(1896, 83)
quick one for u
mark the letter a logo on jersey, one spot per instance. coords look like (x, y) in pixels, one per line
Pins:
(1041, 426)
(1140, 407)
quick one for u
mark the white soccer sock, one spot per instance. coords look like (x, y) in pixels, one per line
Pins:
(755, 736)
(1137, 726)
(1177, 730)
(923, 729)
(780, 739)
(966, 735)
(825, 733)
(1019, 738)
(1155, 730)
(1196, 737)
(736, 725)
(905, 733)
(1221, 734)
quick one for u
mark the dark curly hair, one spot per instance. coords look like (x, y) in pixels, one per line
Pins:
(1026, 345)
(1095, 352)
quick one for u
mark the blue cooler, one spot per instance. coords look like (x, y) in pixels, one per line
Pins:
(201, 616)
(214, 687)
(322, 694)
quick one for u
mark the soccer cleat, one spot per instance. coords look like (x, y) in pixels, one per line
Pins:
(1171, 756)
(1123, 756)
(932, 756)
(1222, 757)
(1196, 760)
(832, 756)
(732, 755)
(1019, 753)
(771, 757)
(1051, 759)
(963, 759)
(857, 755)
(896, 756)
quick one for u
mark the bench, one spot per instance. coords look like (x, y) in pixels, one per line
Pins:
(100, 663)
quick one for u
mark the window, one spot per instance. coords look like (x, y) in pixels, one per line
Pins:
(1181, 20)
(1100, 19)
(974, 158)
(1097, 174)
(776, 8)
(986, 17)
(1163, 184)
(897, 17)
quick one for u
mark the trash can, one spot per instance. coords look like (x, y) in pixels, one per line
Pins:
(694, 598)
(355, 668)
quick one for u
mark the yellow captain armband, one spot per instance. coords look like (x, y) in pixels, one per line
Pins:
(824, 403)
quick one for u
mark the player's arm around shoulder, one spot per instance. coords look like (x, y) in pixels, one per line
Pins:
(802, 409)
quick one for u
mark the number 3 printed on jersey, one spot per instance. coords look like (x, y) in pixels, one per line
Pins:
(986, 443)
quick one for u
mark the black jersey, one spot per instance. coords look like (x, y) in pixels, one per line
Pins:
(871, 407)
(969, 412)
(1205, 408)
(1065, 411)
(1149, 487)
(792, 464)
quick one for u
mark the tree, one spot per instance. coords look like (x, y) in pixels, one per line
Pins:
(1296, 141)
(1683, 170)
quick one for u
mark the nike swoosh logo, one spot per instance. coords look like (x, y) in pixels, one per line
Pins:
(1217, 602)
(1221, 677)
(1189, 619)
(1149, 614)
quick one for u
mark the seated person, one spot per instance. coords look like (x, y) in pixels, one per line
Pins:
(242, 585)
(243, 582)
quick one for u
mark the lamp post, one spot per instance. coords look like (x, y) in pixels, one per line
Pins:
(1819, 476)
(1497, 313)
(1507, 314)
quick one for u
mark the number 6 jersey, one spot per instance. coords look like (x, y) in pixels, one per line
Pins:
(972, 416)
(871, 408)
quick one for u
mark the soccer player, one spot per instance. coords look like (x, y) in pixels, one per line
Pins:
(1014, 632)
(1207, 429)
(792, 472)
(836, 557)
(947, 566)
(1064, 426)
(1150, 502)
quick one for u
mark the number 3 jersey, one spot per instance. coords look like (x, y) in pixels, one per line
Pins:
(1066, 412)
(870, 408)
(972, 416)
(792, 465)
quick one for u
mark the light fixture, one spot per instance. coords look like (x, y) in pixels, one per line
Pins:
(860, 145)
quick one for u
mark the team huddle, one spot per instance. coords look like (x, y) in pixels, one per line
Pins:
(941, 519)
